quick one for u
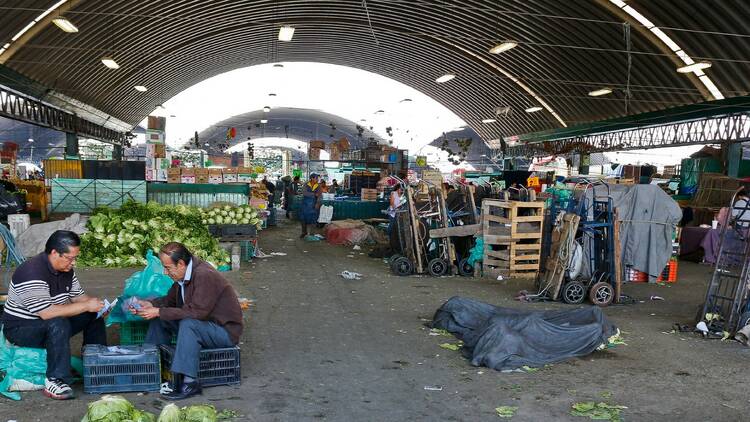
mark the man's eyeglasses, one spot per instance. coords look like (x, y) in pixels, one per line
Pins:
(69, 259)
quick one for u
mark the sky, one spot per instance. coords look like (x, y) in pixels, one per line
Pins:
(347, 92)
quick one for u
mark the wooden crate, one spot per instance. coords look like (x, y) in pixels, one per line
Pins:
(512, 233)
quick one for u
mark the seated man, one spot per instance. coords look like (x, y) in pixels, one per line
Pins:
(201, 307)
(46, 306)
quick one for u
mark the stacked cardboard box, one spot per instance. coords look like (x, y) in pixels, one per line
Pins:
(174, 175)
(244, 174)
(201, 176)
(187, 175)
(230, 175)
(215, 176)
(369, 194)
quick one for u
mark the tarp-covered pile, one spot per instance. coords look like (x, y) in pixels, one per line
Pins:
(506, 339)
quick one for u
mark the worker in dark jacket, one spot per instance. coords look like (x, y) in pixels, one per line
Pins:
(200, 307)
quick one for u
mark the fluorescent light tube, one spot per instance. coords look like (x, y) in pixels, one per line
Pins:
(503, 46)
(286, 33)
(488, 120)
(533, 109)
(110, 63)
(445, 78)
(264, 121)
(266, 109)
(599, 92)
(65, 25)
(140, 88)
(694, 67)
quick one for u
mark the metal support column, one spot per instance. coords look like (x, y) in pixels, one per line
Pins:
(117, 152)
(71, 144)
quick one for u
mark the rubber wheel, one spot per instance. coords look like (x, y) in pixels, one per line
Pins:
(744, 320)
(402, 266)
(601, 293)
(437, 267)
(392, 259)
(465, 269)
(573, 292)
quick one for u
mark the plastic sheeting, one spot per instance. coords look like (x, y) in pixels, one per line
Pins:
(507, 339)
(147, 284)
(353, 232)
(31, 242)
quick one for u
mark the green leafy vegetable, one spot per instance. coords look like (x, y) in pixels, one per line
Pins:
(109, 409)
(199, 413)
(506, 411)
(597, 411)
(170, 413)
(452, 346)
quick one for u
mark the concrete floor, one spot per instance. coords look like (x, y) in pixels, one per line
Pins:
(318, 347)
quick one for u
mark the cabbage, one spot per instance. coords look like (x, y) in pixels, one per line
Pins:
(219, 219)
(211, 221)
(199, 413)
(170, 413)
(109, 409)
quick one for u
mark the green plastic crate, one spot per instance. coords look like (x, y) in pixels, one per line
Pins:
(247, 250)
(134, 333)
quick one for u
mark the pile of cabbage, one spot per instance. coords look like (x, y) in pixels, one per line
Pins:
(121, 237)
(227, 214)
(118, 409)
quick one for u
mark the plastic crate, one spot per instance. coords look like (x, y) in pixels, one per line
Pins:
(216, 367)
(669, 274)
(247, 249)
(120, 369)
(227, 230)
(635, 276)
(134, 333)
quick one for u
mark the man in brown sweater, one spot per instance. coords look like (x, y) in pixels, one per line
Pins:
(201, 307)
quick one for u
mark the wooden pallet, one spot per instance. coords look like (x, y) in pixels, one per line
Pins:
(512, 233)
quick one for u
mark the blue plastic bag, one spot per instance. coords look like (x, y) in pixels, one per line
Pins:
(147, 284)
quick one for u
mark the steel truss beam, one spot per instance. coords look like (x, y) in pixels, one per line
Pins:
(733, 127)
(17, 106)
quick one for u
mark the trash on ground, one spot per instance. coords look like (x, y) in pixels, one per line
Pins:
(500, 278)
(311, 238)
(260, 254)
(433, 387)
(597, 411)
(527, 368)
(506, 411)
(351, 275)
(452, 346)
(357, 247)
(440, 332)
(656, 298)
(278, 253)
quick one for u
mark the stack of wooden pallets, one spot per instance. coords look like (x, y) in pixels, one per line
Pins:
(512, 233)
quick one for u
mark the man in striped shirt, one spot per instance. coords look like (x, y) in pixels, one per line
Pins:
(46, 306)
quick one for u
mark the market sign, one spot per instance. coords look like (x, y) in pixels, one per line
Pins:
(421, 161)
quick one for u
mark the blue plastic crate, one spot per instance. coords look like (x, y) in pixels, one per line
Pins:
(120, 368)
(216, 366)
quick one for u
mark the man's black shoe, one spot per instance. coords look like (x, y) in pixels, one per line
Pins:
(187, 389)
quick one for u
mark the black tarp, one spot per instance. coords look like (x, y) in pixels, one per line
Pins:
(506, 339)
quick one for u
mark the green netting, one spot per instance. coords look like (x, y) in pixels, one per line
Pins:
(198, 188)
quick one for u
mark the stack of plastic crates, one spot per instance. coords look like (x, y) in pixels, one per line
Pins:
(634, 276)
(216, 366)
(247, 249)
(669, 274)
(120, 368)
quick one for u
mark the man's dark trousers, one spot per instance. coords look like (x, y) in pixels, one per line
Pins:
(54, 336)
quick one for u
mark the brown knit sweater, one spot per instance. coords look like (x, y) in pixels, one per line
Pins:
(208, 297)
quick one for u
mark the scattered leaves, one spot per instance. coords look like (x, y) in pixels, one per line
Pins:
(529, 369)
(506, 411)
(440, 332)
(597, 411)
(452, 346)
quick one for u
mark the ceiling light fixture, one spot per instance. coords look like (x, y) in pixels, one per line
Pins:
(600, 92)
(264, 121)
(266, 109)
(110, 63)
(65, 25)
(286, 33)
(405, 100)
(278, 65)
(488, 120)
(272, 94)
(533, 109)
(503, 46)
(445, 78)
(140, 88)
(694, 67)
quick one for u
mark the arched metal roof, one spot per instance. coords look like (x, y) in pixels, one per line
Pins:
(286, 122)
(566, 49)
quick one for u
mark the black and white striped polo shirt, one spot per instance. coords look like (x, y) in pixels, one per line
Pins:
(35, 286)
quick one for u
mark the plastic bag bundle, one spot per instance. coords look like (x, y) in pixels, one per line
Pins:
(149, 283)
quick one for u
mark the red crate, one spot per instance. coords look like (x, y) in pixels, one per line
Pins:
(669, 274)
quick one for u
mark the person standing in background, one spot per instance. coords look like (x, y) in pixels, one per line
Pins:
(309, 214)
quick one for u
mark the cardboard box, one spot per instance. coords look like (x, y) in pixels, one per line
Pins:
(344, 144)
(316, 144)
(313, 154)
(202, 179)
(174, 179)
(162, 164)
(174, 171)
(230, 170)
(369, 194)
(187, 179)
(244, 178)
(150, 174)
(160, 175)
(150, 163)
(201, 172)
(214, 172)
(160, 151)
(215, 180)
(188, 172)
